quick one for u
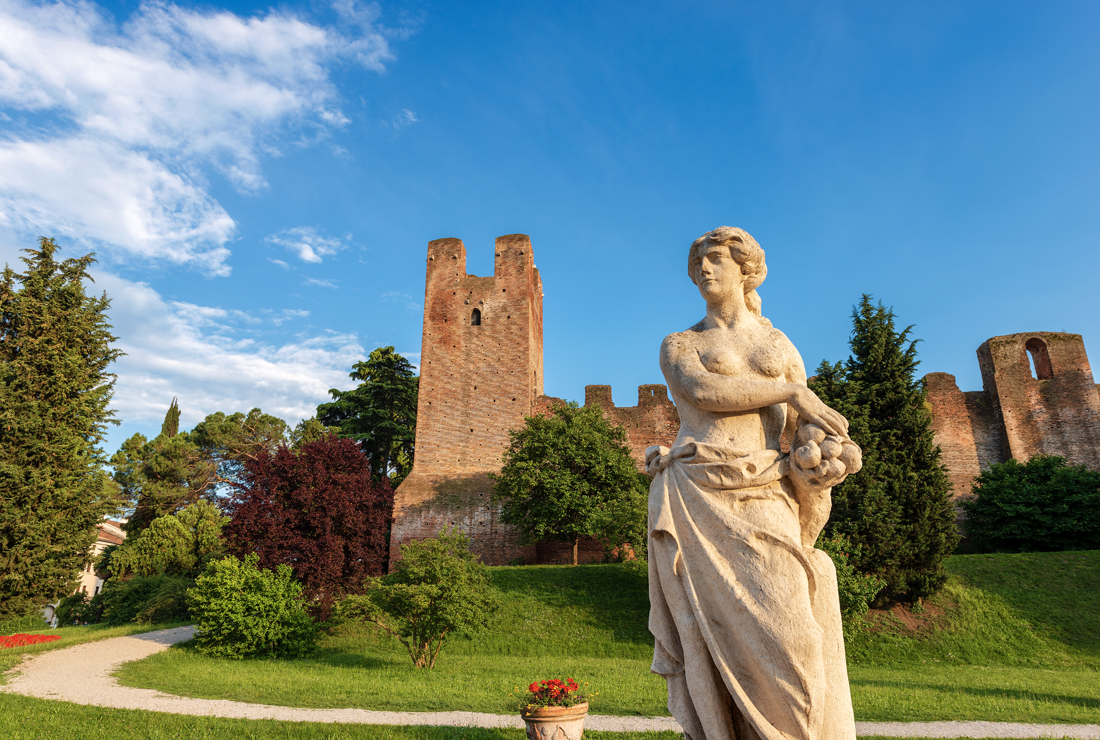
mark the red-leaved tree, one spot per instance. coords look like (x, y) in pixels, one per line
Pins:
(317, 510)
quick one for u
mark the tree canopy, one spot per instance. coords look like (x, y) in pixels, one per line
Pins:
(319, 511)
(898, 510)
(569, 475)
(379, 414)
(161, 476)
(55, 387)
(179, 544)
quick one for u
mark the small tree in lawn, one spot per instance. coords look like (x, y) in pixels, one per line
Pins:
(569, 475)
(437, 589)
(897, 512)
(319, 511)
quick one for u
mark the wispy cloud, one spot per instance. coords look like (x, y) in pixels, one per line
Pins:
(407, 301)
(288, 314)
(185, 350)
(306, 243)
(405, 118)
(114, 127)
(320, 283)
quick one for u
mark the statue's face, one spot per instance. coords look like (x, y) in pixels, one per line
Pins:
(719, 274)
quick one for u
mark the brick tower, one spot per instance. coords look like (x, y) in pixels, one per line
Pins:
(1046, 406)
(480, 374)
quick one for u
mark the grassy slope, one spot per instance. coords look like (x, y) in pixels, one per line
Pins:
(1020, 644)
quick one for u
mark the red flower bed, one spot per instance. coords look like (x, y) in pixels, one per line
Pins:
(8, 641)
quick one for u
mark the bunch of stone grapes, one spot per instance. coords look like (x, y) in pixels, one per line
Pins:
(825, 456)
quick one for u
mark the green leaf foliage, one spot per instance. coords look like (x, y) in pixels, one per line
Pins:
(379, 414)
(569, 475)
(55, 387)
(897, 511)
(1042, 505)
(437, 589)
(178, 544)
(161, 476)
(243, 611)
(145, 599)
(857, 590)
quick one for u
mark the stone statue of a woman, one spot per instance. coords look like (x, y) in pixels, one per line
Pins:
(744, 610)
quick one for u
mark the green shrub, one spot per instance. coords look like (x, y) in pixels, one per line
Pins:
(146, 600)
(857, 590)
(79, 609)
(243, 611)
(438, 588)
(1043, 505)
(30, 623)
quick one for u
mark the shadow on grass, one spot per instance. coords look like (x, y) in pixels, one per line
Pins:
(1057, 591)
(1000, 693)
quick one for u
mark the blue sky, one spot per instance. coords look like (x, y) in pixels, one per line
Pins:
(260, 182)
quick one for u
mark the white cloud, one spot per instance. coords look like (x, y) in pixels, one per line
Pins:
(405, 118)
(288, 314)
(320, 283)
(306, 243)
(184, 350)
(136, 114)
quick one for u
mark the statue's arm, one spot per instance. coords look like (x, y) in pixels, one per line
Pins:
(719, 393)
(796, 373)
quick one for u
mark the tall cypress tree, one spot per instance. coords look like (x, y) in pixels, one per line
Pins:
(898, 508)
(55, 352)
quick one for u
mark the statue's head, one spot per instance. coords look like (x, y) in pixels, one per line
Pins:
(745, 252)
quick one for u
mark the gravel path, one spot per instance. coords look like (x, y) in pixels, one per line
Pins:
(82, 675)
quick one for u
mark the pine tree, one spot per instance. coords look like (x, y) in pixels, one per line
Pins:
(55, 352)
(898, 508)
(380, 414)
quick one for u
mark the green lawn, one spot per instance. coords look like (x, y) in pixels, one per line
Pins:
(1019, 640)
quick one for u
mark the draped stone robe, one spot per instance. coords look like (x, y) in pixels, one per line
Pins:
(746, 619)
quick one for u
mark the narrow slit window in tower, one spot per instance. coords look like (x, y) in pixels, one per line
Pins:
(1039, 359)
(475, 317)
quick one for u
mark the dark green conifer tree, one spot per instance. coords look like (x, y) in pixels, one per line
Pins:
(379, 414)
(55, 353)
(898, 508)
(171, 425)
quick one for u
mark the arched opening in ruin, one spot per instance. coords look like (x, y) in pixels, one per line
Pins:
(475, 317)
(1039, 359)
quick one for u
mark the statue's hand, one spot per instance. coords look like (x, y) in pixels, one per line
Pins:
(820, 460)
(813, 410)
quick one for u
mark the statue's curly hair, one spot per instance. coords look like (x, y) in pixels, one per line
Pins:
(745, 252)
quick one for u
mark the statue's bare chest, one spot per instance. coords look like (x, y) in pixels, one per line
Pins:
(762, 360)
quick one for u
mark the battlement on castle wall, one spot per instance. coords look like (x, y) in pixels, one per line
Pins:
(654, 421)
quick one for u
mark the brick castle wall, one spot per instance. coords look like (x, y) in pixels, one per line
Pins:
(1053, 410)
(480, 375)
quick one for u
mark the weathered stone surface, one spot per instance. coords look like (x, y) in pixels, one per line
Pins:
(1053, 410)
(744, 611)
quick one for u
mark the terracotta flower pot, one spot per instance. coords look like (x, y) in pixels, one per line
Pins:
(555, 723)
